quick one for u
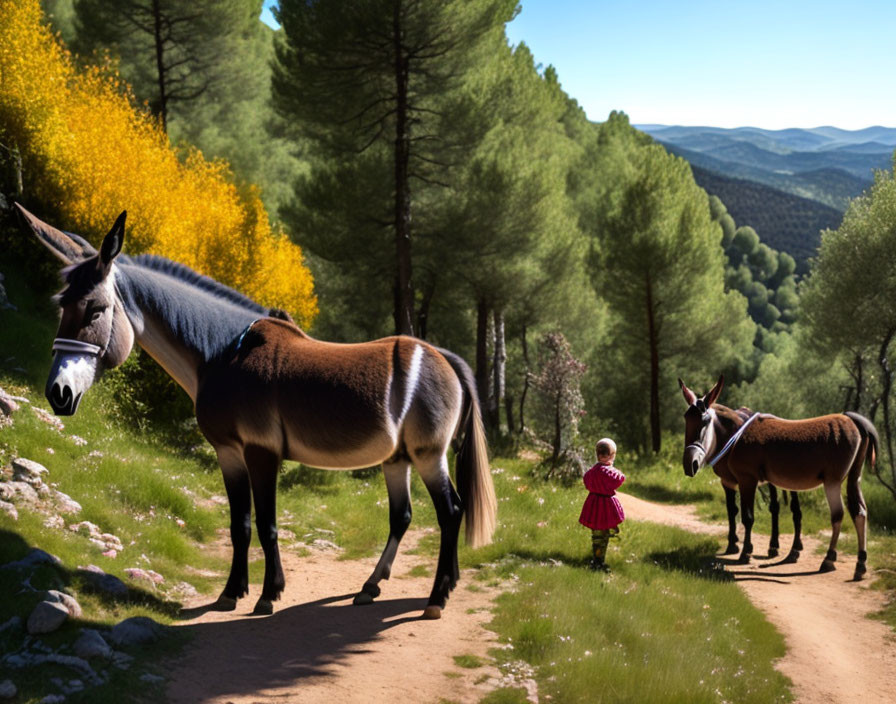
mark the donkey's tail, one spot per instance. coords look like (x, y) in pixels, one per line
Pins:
(866, 430)
(473, 474)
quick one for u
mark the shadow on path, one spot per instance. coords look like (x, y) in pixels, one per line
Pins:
(246, 654)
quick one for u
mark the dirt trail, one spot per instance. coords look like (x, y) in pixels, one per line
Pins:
(318, 647)
(834, 652)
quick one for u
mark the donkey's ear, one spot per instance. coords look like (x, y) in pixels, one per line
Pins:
(711, 397)
(113, 241)
(689, 396)
(65, 247)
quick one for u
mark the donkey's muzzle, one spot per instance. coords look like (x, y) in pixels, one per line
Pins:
(693, 459)
(63, 400)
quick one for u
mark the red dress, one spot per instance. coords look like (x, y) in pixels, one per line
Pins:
(602, 509)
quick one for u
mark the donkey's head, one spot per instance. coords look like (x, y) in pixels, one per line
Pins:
(94, 332)
(699, 427)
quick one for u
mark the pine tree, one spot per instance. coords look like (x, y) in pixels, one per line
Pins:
(370, 83)
(170, 51)
(658, 264)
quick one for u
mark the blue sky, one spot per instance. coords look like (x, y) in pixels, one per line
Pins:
(725, 63)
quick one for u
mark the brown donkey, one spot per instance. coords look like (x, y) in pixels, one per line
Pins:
(795, 455)
(265, 391)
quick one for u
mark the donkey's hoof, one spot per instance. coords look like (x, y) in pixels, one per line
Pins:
(861, 569)
(827, 566)
(732, 549)
(263, 607)
(432, 613)
(773, 552)
(744, 559)
(792, 557)
(362, 598)
(225, 603)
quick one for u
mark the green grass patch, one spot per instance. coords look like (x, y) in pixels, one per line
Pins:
(470, 662)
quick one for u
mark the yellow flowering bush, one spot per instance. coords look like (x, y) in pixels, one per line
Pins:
(89, 153)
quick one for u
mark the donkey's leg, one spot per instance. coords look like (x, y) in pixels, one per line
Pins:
(239, 495)
(747, 500)
(835, 501)
(774, 508)
(855, 502)
(797, 546)
(398, 485)
(731, 505)
(449, 510)
(263, 467)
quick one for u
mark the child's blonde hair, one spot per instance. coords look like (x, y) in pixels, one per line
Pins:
(605, 448)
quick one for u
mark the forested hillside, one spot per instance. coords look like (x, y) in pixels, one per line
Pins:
(785, 222)
(435, 181)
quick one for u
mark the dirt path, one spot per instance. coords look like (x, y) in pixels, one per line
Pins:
(834, 652)
(318, 647)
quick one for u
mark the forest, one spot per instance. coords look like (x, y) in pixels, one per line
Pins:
(383, 168)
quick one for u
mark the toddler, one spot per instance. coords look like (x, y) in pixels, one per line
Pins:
(602, 512)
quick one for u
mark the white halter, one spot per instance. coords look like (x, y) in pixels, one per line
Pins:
(733, 439)
(64, 344)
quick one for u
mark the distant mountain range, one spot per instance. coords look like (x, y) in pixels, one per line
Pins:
(786, 184)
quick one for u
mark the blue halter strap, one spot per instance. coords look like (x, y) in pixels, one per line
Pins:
(733, 439)
(239, 342)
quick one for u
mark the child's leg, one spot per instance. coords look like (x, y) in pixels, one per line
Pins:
(599, 541)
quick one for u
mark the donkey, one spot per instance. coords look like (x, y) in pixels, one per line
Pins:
(265, 391)
(796, 455)
(729, 484)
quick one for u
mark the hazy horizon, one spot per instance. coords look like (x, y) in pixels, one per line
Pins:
(701, 63)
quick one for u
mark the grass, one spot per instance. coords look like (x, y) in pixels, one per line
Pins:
(667, 625)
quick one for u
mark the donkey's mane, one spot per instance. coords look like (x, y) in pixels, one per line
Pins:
(183, 273)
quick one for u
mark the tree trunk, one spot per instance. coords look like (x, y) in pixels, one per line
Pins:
(558, 437)
(653, 342)
(482, 376)
(499, 369)
(887, 382)
(423, 312)
(508, 410)
(525, 346)
(404, 293)
(159, 43)
(857, 402)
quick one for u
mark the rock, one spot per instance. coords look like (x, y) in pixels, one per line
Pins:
(92, 645)
(85, 528)
(183, 589)
(321, 544)
(52, 699)
(68, 601)
(47, 617)
(24, 470)
(113, 542)
(34, 558)
(18, 492)
(65, 503)
(134, 631)
(15, 623)
(7, 689)
(146, 575)
(102, 582)
(48, 418)
(150, 678)
(55, 522)
(7, 405)
(8, 508)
